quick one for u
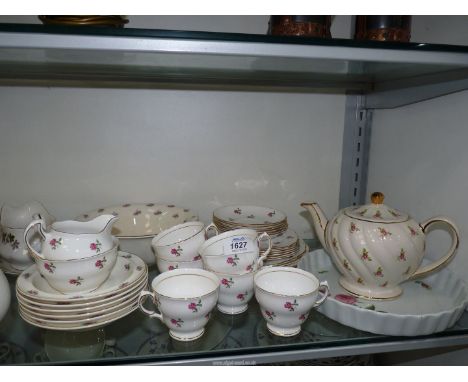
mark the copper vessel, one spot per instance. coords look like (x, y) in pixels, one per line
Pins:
(307, 26)
(383, 28)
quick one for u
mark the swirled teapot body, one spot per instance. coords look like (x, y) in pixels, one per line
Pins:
(376, 247)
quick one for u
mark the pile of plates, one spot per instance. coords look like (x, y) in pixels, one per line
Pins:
(288, 259)
(260, 219)
(42, 306)
(287, 248)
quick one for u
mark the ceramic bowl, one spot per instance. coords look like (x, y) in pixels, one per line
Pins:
(21, 216)
(286, 295)
(70, 239)
(235, 292)
(139, 223)
(185, 299)
(179, 243)
(13, 221)
(218, 257)
(13, 249)
(165, 265)
(78, 276)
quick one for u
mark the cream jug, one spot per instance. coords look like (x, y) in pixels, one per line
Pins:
(70, 240)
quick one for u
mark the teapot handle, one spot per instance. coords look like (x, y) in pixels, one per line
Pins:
(41, 225)
(454, 233)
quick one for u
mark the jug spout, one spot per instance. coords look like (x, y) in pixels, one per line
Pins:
(320, 221)
(103, 223)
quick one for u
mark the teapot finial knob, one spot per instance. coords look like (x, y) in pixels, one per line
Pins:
(377, 198)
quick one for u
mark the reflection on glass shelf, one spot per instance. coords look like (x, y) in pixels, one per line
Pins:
(150, 58)
(140, 339)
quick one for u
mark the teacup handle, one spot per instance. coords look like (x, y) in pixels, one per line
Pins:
(41, 224)
(325, 290)
(141, 300)
(261, 237)
(423, 271)
(209, 227)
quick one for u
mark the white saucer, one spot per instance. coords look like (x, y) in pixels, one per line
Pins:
(426, 306)
(249, 215)
(82, 326)
(81, 313)
(81, 308)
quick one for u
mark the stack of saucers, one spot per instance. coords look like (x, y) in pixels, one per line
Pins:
(42, 306)
(260, 219)
(284, 244)
(290, 259)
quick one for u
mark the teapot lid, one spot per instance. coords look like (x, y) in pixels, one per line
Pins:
(376, 211)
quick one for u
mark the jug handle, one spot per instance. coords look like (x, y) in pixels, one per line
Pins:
(261, 237)
(31, 225)
(455, 234)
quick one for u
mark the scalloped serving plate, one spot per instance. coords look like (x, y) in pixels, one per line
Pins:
(426, 306)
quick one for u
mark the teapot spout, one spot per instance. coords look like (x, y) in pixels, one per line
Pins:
(320, 221)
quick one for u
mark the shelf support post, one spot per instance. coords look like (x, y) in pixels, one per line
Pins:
(355, 153)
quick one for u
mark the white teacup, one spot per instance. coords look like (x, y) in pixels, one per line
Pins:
(181, 242)
(218, 257)
(185, 299)
(235, 292)
(286, 295)
(166, 265)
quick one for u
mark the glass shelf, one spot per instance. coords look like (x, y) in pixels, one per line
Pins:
(245, 338)
(99, 57)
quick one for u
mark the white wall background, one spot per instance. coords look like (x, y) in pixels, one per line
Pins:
(79, 149)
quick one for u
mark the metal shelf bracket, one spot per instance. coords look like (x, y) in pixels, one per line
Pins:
(355, 153)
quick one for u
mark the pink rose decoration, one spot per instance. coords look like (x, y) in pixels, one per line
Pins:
(288, 305)
(346, 299)
(225, 281)
(53, 242)
(173, 321)
(230, 260)
(192, 306)
(93, 246)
